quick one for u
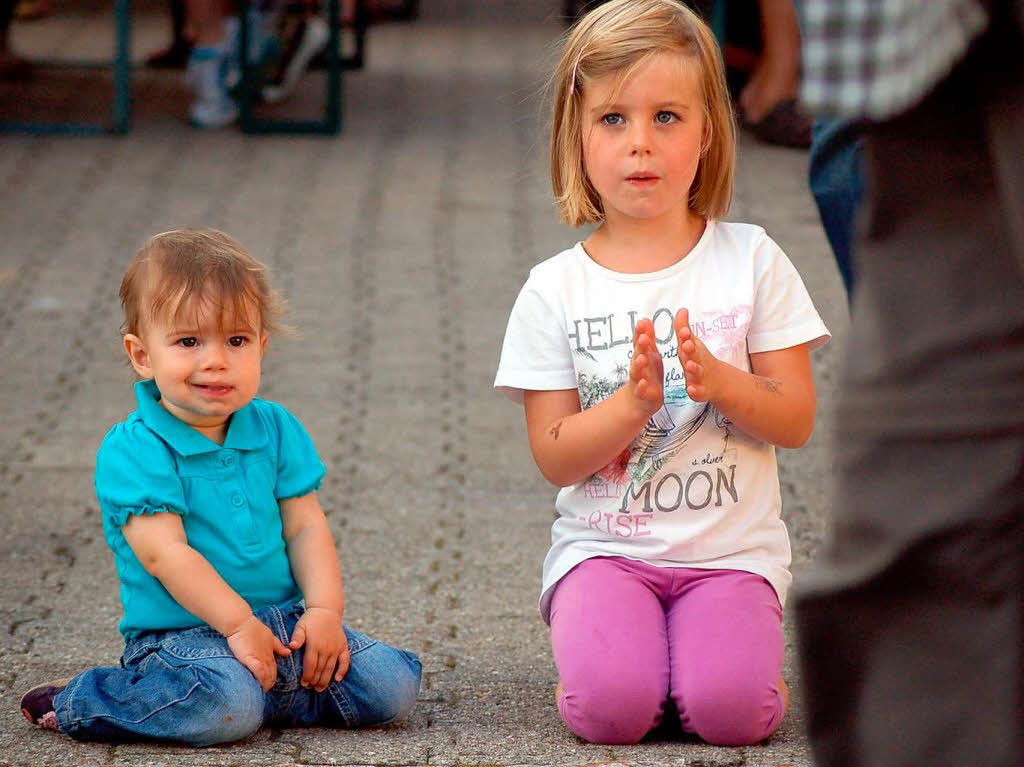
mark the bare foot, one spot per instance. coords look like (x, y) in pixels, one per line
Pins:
(558, 690)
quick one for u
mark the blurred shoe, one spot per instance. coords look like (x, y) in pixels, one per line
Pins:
(14, 69)
(213, 106)
(785, 125)
(174, 56)
(37, 704)
(309, 40)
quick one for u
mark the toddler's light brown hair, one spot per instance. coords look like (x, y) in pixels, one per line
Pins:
(176, 271)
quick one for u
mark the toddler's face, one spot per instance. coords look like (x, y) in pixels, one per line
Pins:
(206, 362)
(641, 146)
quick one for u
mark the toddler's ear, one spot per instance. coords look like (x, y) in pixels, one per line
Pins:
(138, 355)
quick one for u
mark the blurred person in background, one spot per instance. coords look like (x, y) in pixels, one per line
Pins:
(282, 42)
(767, 103)
(911, 620)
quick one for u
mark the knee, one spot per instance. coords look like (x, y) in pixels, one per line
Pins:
(734, 714)
(619, 711)
(396, 699)
(227, 707)
(382, 683)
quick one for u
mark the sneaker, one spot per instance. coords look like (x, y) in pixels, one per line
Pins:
(213, 106)
(37, 704)
(309, 40)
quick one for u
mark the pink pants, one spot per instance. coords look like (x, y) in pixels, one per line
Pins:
(627, 636)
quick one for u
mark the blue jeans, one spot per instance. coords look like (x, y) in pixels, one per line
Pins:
(186, 686)
(837, 183)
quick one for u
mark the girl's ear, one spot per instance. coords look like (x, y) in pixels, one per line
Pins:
(263, 343)
(138, 355)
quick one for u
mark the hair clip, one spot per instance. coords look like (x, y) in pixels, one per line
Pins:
(572, 81)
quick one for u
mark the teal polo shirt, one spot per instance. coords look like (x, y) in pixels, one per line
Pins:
(227, 496)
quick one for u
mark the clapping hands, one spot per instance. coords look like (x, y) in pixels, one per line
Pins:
(647, 370)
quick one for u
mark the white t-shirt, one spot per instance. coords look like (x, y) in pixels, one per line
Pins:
(692, 490)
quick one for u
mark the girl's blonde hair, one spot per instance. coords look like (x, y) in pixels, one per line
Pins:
(177, 270)
(617, 38)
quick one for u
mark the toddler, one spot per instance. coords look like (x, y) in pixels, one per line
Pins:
(660, 363)
(230, 582)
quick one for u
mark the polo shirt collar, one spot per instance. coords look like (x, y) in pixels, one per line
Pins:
(245, 429)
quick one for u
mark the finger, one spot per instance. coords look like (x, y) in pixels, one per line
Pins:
(343, 662)
(254, 665)
(637, 369)
(309, 666)
(641, 388)
(652, 349)
(682, 321)
(657, 363)
(695, 376)
(298, 637)
(323, 673)
(643, 326)
(258, 670)
(271, 672)
(280, 648)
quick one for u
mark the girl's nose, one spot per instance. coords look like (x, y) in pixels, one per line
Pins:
(214, 358)
(639, 143)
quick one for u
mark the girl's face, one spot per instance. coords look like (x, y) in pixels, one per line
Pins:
(641, 146)
(205, 364)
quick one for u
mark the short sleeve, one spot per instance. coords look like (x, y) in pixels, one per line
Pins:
(299, 469)
(136, 474)
(783, 314)
(535, 355)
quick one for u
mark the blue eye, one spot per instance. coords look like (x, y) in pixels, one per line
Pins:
(665, 118)
(188, 342)
(612, 119)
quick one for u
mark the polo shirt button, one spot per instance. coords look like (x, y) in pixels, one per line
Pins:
(228, 460)
(237, 499)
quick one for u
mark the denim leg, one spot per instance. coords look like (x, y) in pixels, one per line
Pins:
(837, 183)
(381, 685)
(182, 686)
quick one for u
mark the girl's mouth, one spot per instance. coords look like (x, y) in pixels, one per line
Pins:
(214, 390)
(642, 179)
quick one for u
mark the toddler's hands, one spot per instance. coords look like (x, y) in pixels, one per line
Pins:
(320, 630)
(647, 371)
(255, 646)
(699, 365)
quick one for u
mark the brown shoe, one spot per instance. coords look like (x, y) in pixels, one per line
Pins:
(37, 704)
(14, 69)
(785, 125)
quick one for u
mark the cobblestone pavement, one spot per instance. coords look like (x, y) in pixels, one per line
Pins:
(401, 245)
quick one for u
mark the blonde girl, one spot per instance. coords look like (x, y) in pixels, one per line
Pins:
(660, 362)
